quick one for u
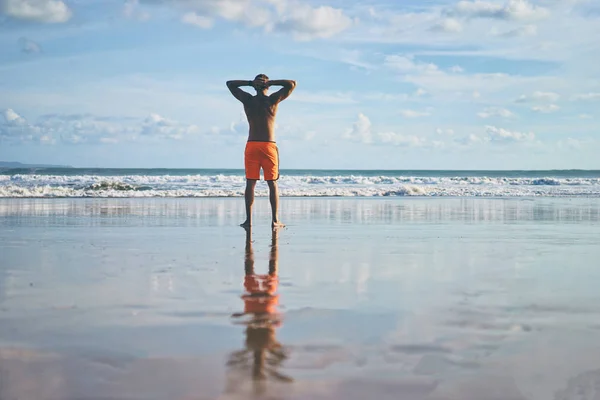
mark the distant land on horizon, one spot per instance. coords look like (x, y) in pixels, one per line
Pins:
(16, 164)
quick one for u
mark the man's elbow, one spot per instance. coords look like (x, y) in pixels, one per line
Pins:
(292, 85)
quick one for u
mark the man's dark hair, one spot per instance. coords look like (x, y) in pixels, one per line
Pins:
(261, 76)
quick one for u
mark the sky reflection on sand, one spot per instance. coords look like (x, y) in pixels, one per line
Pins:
(434, 299)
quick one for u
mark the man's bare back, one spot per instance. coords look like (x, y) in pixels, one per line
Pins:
(261, 112)
(261, 109)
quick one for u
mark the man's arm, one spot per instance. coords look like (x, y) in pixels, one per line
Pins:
(234, 88)
(284, 92)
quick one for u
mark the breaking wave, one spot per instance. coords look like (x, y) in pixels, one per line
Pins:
(315, 185)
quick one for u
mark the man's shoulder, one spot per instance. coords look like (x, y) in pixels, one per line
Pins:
(249, 99)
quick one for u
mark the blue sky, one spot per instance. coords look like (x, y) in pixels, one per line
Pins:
(428, 84)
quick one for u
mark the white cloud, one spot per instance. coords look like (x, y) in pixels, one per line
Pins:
(301, 20)
(521, 31)
(448, 25)
(239, 127)
(12, 118)
(571, 144)
(496, 112)
(309, 135)
(233, 10)
(414, 113)
(158, 126)
(457, 69)
(109, 140)
(29, 46)
(323, 98)
(200, 21)
(438, 144)
(501, 135)
(511, 10)
(469, 140)
(398, 139)
(86, 128)
(406, 64)
(305, 22)
(15, 128)
(420, 92)
(586, 97)
(578, 144)
(132, 9)
(412, 25)
(431, 78)
(47, 11)
(453, 84)
(81, 128)
(361, 130)
(539, 97)
(46, 139)
(585, 116)
(444, 132)
(249, 13)
(382, 96)
(354, 58)
(129, 7)
(546, 108)
(372, 13)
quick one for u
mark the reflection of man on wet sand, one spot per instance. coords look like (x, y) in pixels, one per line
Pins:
(263, 353)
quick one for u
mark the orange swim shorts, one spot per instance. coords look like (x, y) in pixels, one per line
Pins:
(261, 294)
(260, 305)
(263, 155)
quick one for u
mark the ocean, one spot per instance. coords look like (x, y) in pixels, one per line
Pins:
(125, 183)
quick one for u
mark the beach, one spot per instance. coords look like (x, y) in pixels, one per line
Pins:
(416, 298)
(299, 200)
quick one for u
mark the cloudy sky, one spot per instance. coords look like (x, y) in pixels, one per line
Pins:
(395, 84)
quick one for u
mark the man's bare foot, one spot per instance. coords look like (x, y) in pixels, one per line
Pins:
(247, 224)
(277, 225)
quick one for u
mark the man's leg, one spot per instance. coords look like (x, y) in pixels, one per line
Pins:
(274, 199)
(249, 197)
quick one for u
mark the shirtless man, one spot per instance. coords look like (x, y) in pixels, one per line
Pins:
(261, 150)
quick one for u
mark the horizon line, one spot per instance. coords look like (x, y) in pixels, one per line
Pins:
(49, 166)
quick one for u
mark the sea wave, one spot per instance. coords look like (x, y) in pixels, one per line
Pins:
(300, 179)
(221, 185)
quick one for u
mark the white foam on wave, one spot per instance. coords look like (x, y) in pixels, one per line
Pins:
(14, 191)
(26, 185)
(296, 179)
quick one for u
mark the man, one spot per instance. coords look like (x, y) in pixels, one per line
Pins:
(261, 149)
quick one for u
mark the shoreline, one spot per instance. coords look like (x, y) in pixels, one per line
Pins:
(299, 211)
(264, 193)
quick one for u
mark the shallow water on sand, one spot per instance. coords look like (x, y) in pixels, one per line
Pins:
(356, 298)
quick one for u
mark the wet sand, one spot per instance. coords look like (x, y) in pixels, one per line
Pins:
(379, 298)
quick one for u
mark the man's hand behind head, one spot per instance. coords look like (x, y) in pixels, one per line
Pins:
(260, 82)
